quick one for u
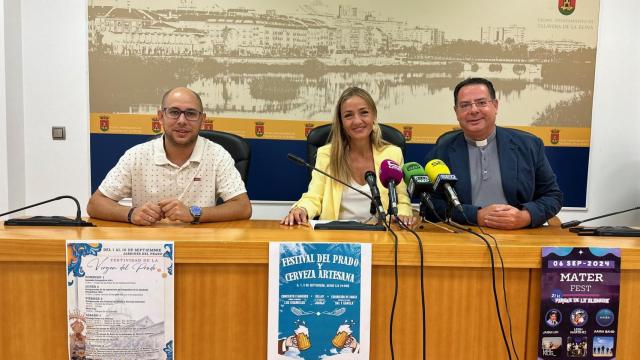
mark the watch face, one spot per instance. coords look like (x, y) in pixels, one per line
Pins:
(195, 211)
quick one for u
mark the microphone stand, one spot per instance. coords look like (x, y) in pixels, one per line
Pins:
(573, 223)
(48, 220)
(373, 210)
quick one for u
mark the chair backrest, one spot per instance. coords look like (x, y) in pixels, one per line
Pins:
(447, 135)
(237, 146)
(320, 135)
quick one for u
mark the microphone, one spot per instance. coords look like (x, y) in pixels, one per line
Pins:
(418, 185)
(390, 176)
(48, 220)
(443, 181)
(573, 223)
(416, 179)
(370, 178)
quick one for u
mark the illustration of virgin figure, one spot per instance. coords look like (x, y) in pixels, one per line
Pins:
(77, 341)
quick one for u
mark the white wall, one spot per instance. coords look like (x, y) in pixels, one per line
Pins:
(13, 149)
(56, 87)
(614, 162)
(53, 78)
(47, 85)
(4, 178)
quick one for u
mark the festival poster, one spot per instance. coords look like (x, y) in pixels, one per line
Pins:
(319, 300)
(120, 299)
(580, 297)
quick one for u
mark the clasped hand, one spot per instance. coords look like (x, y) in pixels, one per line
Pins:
(151, 213)
(500, 216)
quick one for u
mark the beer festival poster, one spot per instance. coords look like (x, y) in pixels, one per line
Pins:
(319, 300)
(120, 299)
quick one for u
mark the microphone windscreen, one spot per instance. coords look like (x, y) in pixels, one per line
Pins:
(411, 169)
(390, 171)
(436, 167)
(370, 177)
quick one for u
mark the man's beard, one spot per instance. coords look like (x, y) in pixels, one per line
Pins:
(181, 142)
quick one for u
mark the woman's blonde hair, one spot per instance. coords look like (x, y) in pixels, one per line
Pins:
(339, 161)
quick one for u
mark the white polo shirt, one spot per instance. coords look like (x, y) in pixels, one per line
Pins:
(146, 175)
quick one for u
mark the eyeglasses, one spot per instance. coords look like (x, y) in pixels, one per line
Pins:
(482, 103)
(189, 114)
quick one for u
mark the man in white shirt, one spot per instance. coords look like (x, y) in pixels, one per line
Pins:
(178, 176)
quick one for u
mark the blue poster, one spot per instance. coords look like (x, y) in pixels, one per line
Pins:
(319, 300)
(579, 308)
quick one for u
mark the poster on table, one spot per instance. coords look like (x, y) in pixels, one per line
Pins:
(580, 297)
(319, 300)
(120, 299)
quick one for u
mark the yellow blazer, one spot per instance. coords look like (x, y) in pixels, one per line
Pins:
(324, 195)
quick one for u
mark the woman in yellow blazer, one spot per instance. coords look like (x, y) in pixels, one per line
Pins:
(355, 147)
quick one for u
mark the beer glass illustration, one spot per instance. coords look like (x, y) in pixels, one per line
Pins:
(341, 337)
(302, 337)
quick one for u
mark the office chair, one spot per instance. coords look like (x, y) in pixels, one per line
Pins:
(237, 146)
(447, 135)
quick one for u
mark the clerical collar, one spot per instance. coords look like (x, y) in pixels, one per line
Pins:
(481, 143)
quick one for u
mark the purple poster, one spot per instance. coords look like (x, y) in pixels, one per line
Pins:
(579, 310)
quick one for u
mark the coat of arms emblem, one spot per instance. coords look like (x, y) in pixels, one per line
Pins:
(555, 136)
(307, 129)
(104, 122)
(207, 124)
(407, 132)
(156, 127)
(566, 7)
(259, 128)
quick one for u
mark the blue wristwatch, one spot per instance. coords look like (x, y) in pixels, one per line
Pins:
(195, 212)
